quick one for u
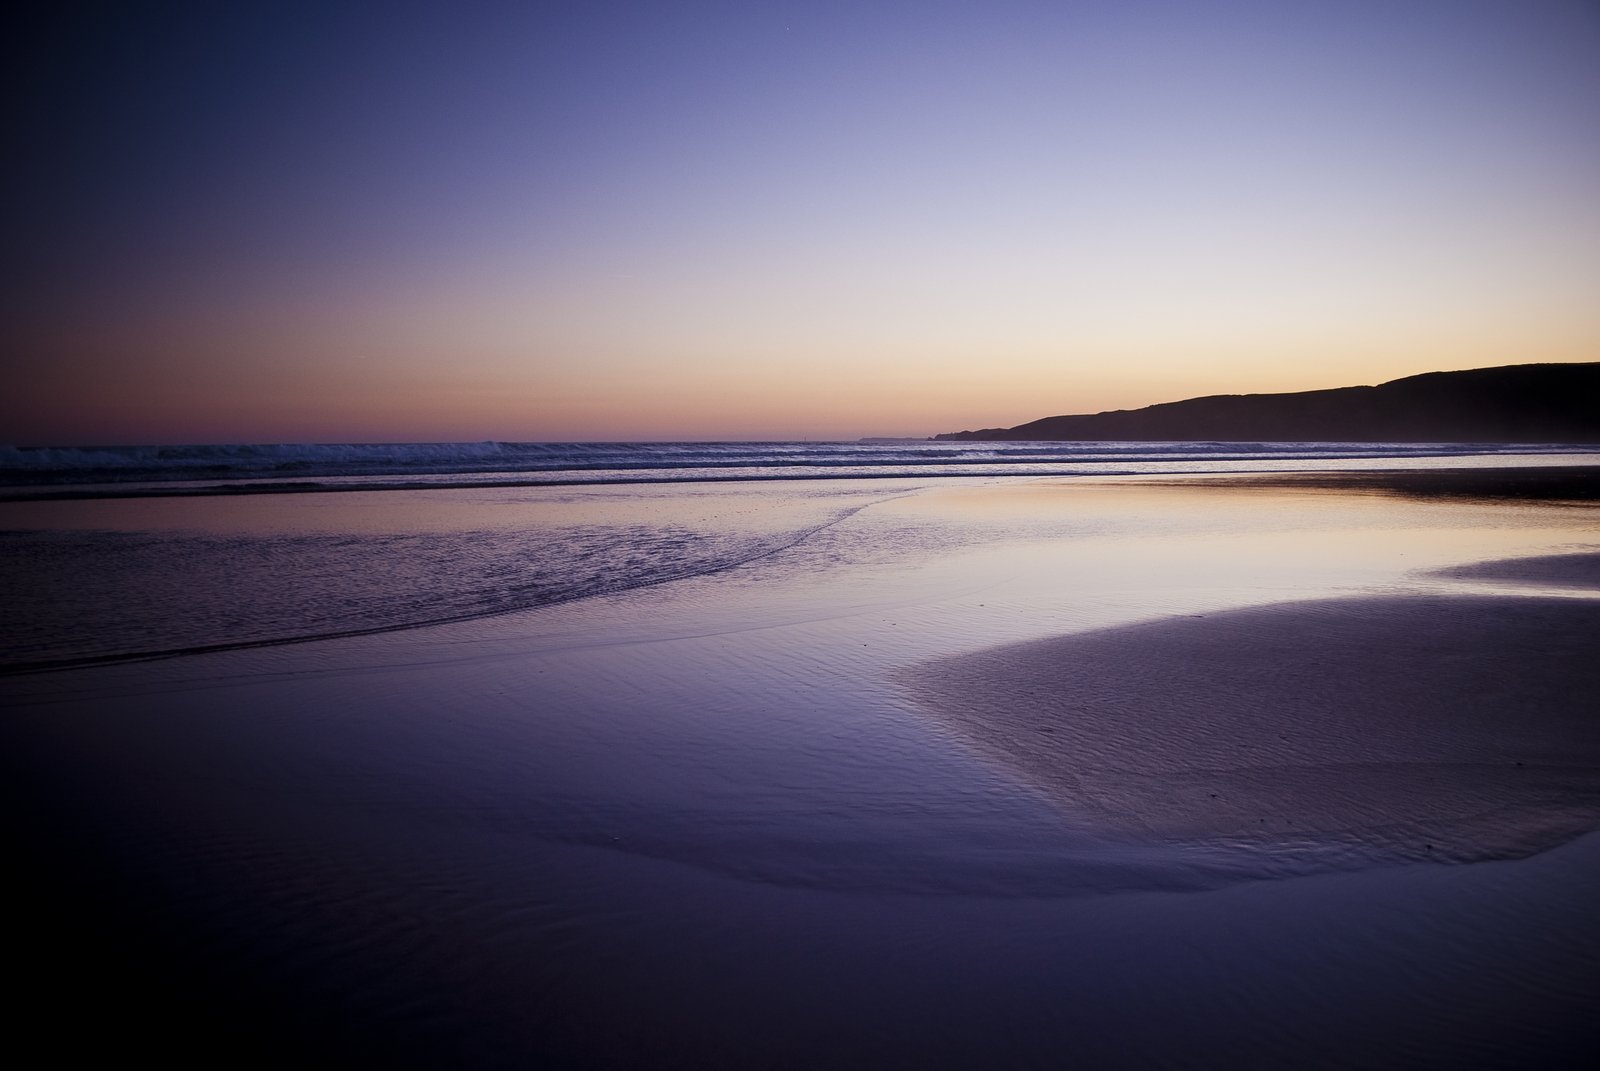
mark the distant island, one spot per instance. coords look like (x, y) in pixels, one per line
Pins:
(1529, 403)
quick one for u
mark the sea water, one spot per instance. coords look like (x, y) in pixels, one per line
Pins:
(123, 552)
(238, 468)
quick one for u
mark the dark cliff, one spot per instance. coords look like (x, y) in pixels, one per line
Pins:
(1515, 403)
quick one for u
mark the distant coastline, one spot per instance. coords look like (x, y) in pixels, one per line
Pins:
(1527, 403)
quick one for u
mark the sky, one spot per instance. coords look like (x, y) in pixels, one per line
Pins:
(346, 222)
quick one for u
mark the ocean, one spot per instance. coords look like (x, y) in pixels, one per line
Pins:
(239, 468)
(112, 553)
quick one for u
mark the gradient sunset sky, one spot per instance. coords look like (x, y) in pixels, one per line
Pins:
(403, 221)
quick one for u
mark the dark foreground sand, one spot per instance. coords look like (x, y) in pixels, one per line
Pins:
(1360, 731)
(1554, 483)
(1553, 570)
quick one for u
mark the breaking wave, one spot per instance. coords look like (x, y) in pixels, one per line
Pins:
(277, 466)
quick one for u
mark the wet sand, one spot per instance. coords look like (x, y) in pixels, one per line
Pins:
(1454, 728)
(1555, 483)
(1553, 570)
(828, 808)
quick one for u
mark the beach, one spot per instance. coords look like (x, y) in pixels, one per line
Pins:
(1014, 772)
(1333, 733)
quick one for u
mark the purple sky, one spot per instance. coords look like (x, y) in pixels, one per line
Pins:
(748, 220)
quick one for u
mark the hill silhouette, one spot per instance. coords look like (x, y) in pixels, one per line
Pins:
(1529, 403)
